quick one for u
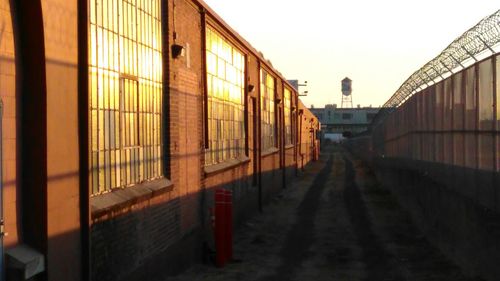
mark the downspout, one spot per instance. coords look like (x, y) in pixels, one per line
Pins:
(283, 136)
(259, 139)
(2, 232)
(296, 134)
(205, 211)
(83, 107)
(205, 82)
(496, 101)
(245, 106)
(301, 112)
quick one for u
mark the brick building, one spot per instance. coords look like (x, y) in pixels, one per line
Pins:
(120, 118)
(337, 121)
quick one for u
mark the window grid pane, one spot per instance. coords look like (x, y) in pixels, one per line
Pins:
(225, 68)
(268, 120)
(288, 120)
(125, 93)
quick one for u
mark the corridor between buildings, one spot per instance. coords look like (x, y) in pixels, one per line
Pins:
(334, 223)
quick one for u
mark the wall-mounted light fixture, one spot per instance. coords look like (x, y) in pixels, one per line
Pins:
(177, 51)
(251, 88)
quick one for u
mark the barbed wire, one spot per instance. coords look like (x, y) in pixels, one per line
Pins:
(482, 37)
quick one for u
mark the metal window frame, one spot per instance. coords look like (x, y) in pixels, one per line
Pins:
(269, 128)
(220, 148)
(135, 28)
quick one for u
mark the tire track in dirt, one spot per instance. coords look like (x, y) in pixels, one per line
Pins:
(301, 235)
(376, 258)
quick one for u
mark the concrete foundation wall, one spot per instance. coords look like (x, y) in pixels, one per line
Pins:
(121, 245)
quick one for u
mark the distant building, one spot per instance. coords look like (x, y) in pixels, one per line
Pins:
(336, 121)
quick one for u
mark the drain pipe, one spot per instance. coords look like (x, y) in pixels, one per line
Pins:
(2, 230)
(259, 139)
(301, 113)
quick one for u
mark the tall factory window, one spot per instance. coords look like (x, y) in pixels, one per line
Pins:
(125, 93)
(225, 83)
(268, 118)
(288, 116)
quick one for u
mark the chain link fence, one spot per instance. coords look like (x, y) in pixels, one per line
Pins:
(484, 37)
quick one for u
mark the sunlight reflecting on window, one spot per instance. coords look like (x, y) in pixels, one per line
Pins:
(125, 85)
(225, 70)
(268, 118)
(288, 121)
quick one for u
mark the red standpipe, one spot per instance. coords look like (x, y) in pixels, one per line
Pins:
(220, 228)
(229, 225)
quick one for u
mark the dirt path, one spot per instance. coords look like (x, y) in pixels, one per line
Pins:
(302, 234)
(334, 223)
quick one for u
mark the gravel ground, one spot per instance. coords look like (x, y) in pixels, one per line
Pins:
(333, 223)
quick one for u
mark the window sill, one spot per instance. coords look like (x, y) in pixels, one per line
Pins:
(120, 198)
(270, 151)
(289, 146)
(224, 166)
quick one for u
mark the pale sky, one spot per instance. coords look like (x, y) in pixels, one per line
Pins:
(378, 44)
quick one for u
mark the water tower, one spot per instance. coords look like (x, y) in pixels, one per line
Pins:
(346, 93)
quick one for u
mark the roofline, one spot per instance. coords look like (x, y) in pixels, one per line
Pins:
(204, 7)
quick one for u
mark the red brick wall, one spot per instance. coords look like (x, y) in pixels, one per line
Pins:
(123, 242)
(186, 95)
(10, 117)
(63, 217)
(183, 213)
(62, 187)
(145, 232)
(307, 135)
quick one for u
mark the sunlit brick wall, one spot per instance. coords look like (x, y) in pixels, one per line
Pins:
(9, 119)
